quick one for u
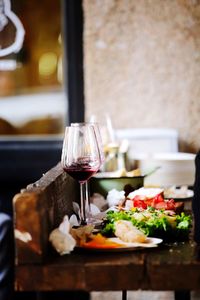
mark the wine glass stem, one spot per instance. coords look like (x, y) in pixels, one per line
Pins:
(87, 200)
(83, 203)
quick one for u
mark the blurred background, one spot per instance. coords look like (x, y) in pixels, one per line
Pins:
(32, 98)
(142, 64)
(33, 103)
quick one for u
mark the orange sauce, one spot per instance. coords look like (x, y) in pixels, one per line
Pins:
(101, 242)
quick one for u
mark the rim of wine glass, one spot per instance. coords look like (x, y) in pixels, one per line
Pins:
(95, 125)
(84, 123)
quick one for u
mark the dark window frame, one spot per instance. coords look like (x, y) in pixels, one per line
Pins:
(73, 24)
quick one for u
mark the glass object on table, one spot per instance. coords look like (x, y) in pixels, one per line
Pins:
(109, 142)
(89, 215)
(81, 157)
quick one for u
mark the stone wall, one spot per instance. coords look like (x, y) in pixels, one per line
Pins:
(142, 64)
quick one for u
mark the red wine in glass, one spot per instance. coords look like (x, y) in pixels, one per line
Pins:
(81, 171)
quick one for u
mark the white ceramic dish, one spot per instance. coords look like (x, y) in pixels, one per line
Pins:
(178, 195)
(174, 169)
(151, 243)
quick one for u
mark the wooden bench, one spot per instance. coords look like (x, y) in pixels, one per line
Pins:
(40, 208)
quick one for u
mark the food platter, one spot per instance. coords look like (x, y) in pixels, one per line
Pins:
(137, 223)
(151, 242)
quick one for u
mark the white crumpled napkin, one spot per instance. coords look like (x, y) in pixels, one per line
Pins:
(115, 197)
(61, 239)
(94, 210)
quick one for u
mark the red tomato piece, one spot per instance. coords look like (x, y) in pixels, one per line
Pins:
(158, 198)
(170, 204)
(148, 202)
(139, 204)
(161, 205)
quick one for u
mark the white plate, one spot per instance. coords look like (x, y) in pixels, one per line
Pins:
(177, 194)
(150, 243)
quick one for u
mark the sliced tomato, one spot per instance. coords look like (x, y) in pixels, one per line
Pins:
(161, 205)
(148, 201)
(170, 204)
(158, 198)
(157, 202)
(139, 203)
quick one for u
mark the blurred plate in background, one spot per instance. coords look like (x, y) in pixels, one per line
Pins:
(178, 194)
(174, 169)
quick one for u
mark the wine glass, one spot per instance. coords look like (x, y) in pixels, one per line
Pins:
(89, 218)
(109, 142)
(106, 128)
(81, 157)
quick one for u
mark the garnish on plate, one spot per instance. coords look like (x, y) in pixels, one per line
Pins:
(101, 242)
(86, 237)
(82, 234)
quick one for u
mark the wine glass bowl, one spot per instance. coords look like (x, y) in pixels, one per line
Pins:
(82, 169)
(81, 157)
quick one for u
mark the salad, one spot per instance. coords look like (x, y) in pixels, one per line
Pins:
(164, 224)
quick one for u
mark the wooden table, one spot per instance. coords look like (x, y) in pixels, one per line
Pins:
(40, 208)
(164, 268)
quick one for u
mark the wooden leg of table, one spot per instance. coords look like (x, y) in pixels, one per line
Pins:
(182, 295)
(124, 295)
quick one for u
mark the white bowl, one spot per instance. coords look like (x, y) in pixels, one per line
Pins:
(174, 169)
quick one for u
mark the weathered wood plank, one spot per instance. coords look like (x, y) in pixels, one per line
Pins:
(83, 271)
(164, 268)
(63, 273)
(174, 268)
(116, 271)
(30, 222)
(39, 208)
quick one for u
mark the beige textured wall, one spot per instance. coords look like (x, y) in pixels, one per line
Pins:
(142, 64)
